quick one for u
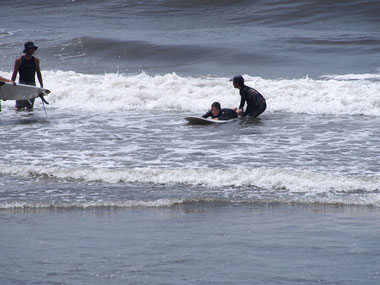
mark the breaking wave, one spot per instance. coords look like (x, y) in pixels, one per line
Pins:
(233, 185)
(351, 94)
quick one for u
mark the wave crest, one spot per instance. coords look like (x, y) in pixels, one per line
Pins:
(264, 178)
(354, 94)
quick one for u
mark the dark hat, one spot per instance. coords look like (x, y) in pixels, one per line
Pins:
(29, 45)
(238, 79)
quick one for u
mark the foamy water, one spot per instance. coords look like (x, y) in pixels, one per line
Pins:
(265, 178)
(316, 143)
(352, 94)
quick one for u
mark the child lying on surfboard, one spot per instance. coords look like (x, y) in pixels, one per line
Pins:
(217, 113)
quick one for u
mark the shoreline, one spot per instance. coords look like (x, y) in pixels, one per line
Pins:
(197, 204)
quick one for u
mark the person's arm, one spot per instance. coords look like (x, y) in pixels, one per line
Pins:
(208, 114)
(16, 68)
(240, 110)
(249, 105)
(242, 102)
(3, 79)
(38, 70)
(251, 98)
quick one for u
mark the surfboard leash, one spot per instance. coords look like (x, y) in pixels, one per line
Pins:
(43, 102)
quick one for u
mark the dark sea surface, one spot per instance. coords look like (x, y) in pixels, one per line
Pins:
(113, 186)
(262, 38)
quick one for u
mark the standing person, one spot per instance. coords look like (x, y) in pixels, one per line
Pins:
(256, 103)
(27, 66)
(217, 113)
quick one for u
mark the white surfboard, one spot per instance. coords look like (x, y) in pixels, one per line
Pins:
(203, 121)
(8, 91)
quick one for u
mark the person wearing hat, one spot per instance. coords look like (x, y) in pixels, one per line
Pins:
(27, 66)
(256, 103)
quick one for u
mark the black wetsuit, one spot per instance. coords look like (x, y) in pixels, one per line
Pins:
(256, 103)
(224, 114)
(27, 73)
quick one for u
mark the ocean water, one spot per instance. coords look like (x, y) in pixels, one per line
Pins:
(113, 186)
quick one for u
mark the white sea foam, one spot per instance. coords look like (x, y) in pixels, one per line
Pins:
(237, 185)
(93, 204)
(339, 94)
(293, 181)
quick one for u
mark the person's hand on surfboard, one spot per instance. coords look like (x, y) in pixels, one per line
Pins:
(3, 79)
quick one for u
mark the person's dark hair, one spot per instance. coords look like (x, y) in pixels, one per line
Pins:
(238, 79)
(216, 105)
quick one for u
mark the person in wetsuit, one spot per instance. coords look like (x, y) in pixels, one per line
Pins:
(27, 66)
(256, 103)
(217, 113)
